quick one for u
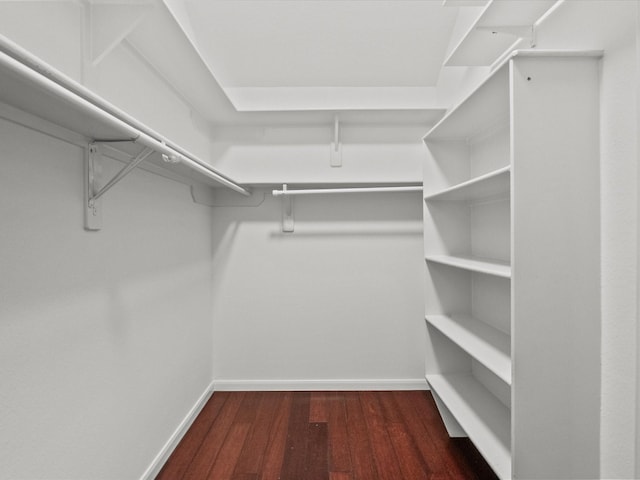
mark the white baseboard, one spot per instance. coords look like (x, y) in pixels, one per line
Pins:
(311, 385)
(156, 465)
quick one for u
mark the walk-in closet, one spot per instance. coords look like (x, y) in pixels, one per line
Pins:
(319, 239)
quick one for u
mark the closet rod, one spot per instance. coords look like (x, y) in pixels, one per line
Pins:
(315, 191)
(26, 65)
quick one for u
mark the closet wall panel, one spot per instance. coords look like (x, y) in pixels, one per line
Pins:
(337, 303)
(104, 336)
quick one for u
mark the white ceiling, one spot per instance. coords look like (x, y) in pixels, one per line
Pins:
(321, 43)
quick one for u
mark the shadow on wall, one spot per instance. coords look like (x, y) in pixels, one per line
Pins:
(358, 217)
(340, 215)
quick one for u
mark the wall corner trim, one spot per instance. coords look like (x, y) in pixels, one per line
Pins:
(167, 449)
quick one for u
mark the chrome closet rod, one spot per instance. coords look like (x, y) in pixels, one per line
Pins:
(315, 191)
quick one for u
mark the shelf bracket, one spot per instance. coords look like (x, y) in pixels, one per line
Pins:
(110, 23)
(450, 423)
(287, 212)
(526, 32)
(336, 146)
(93, 190)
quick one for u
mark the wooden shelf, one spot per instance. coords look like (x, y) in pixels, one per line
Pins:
(489, 267)
(481, 415)
(480, 46)
(492, 184)
(486, 344)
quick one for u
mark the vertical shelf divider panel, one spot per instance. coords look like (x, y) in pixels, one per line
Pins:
(556, 283)
(511, 222)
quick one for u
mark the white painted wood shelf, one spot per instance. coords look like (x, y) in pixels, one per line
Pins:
(486, 108)
(480, 46)
(493, 184)
(529, 127)
(55, 104)
(480, 414)
(478, 265)
(488, 345)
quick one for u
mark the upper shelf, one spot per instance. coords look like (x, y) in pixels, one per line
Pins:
(498, 28)
(487, 106)
(492, 184)
(484, 108)
(39, 90)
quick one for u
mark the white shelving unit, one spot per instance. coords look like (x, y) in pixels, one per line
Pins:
(499, 27)
(511, 250)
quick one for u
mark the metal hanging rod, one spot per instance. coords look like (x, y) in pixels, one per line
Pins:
(26, 65)
(315, 191)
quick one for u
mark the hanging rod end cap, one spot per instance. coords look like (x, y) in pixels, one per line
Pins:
(170, 158)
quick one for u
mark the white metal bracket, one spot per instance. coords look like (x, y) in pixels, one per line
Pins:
(526, 32)
(92, 180)
(451, 424)
(287, 212)
(94, 191)
(336, 146)
(110, 22)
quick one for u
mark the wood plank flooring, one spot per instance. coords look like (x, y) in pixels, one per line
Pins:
(322, 436)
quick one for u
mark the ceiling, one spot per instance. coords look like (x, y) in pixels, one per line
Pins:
(319, 43)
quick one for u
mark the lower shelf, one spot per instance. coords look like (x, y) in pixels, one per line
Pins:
(480, 265)
(484, 419)
(488, 345)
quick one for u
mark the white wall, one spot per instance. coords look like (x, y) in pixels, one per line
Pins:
(610, 25)
(288, 154)
(336, 304)
(638, 256)
(105, 337)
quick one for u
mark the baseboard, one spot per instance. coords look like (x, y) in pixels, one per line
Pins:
(311, 385)
(156, 465)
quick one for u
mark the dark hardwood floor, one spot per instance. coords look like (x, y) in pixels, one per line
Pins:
(322, 436)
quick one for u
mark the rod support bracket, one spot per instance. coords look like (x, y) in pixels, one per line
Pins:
(94, 191)
(335, 154)
(92, 181)
(287, 212)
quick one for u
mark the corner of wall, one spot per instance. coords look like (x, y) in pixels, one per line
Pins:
(637, 82)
